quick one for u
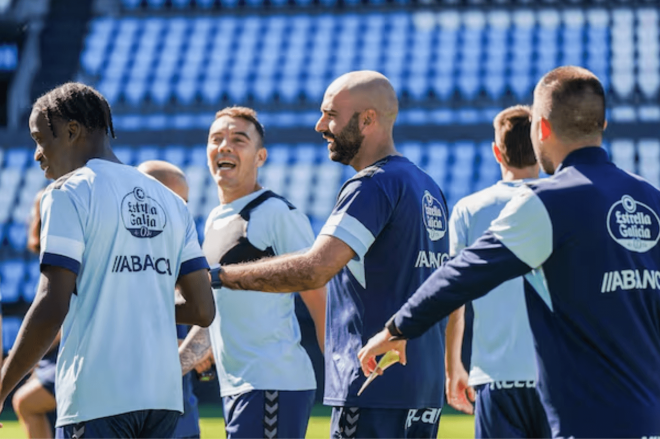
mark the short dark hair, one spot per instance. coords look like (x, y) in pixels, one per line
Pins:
(513, 136)
(247, 114)
(79, 102)
(573, 100)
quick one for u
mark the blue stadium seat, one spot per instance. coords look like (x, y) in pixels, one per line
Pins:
(494, 84)
(29, 289)
(124, 154)
(175, 154)
(17, 235)
(156, 4)
(11, 276)
(10, 327)
(306, 153)
(131, 4)
(414, 152)
(17, 157)
(186, 90)
(147, 153)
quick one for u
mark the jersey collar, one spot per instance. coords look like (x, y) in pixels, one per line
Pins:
(585, 156)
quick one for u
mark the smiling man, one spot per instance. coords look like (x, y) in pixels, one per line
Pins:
(266, 378)
(114, 243)
(386, 234)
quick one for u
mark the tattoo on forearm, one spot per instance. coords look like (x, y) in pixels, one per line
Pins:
(195, 349)
(281, 274)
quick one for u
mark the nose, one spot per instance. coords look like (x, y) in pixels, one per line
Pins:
(224, 147)
(37, 155)
(321, 125)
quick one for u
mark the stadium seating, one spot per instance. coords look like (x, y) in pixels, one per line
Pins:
(427, 55)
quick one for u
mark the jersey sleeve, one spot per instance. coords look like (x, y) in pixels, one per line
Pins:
(62, 233)
(360, 214)
(518, 241)
(458, 230)
(291, 232)
(192, 257)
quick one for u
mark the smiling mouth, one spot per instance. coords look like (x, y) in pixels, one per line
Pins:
(223, 164)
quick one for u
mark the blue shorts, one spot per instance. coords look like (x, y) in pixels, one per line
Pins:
(268, 413)
(45, 372)
(138, 424)
(510, 409)
(360, 422)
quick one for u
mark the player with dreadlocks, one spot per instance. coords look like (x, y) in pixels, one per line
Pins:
(114, 243)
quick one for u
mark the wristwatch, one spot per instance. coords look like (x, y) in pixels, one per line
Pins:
(216, 282)
(393, 330)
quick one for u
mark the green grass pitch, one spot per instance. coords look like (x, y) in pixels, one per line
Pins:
(451, 425)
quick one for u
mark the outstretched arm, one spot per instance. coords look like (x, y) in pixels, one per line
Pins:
(195, 348)
(473, 273)
(291, 273)
(40, 326)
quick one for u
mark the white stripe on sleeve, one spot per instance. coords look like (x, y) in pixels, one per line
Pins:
(524, 227)
(351, 231)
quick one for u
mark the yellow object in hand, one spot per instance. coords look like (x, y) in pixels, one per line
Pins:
(390, 358)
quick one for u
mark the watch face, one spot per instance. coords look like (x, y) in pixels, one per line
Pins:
(216, 283)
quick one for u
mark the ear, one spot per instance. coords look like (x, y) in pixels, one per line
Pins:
(546, 129)
(262, 155)
(605, 126)
(497, 152)
(74, 130)
(368, 118)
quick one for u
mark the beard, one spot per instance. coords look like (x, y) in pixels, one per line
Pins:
(347, 143)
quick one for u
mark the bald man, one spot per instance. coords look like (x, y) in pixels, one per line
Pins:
(174, 179)
(586, 241)
(386, 234)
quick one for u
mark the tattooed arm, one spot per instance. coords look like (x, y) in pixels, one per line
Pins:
(291, 273)
(195, 348)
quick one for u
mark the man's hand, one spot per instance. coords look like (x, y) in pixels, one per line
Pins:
(379, 344)
(459, 394)
(205, 364)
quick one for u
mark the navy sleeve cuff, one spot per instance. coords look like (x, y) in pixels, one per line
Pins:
(193, 265)
(60, 261)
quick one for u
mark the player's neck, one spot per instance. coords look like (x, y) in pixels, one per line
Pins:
(228, 195)
(373, 151)
(512, 174)
(99, 148)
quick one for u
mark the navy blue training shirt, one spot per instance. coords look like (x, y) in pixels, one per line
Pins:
(394, 217)
(589, 234)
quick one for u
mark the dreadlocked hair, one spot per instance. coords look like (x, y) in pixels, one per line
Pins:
(79, 102)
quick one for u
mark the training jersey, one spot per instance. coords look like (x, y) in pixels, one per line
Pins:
(394, 217)
(255, 335)
(586, 241)
(128, 238)
(502, 347)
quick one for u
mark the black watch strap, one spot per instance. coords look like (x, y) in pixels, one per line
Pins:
(393, 330)
(215, 277)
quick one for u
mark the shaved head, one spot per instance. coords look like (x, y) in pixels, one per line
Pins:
(168, 174)
(368, 90)
(359, 110)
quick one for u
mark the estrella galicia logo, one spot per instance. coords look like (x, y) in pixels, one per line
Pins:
(434, 216)
(143, 216)
(634, 225)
